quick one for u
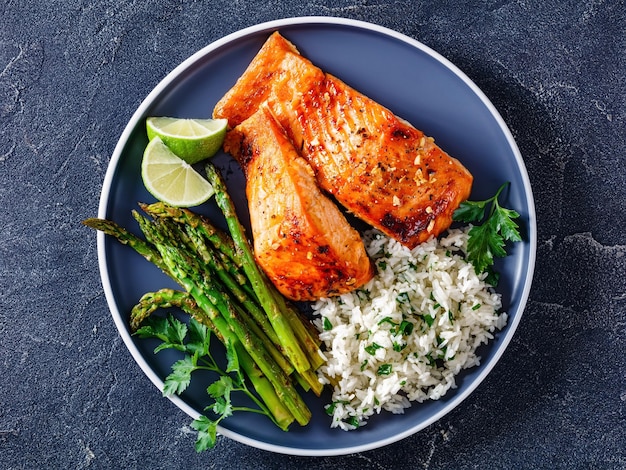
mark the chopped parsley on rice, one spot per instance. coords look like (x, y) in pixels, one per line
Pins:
(407, 333)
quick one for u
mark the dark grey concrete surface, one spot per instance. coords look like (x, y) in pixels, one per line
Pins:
(73, 72)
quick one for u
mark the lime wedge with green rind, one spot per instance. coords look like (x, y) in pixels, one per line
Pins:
(170, 179)
(193, 140)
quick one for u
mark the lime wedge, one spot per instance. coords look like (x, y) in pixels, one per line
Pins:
(192, 140)
(172, 180)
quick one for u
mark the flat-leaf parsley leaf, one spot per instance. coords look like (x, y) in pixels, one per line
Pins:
(194, 341)
(487, 240)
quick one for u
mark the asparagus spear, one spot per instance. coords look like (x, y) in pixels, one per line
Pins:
(283, 329)
(125, 237)
(221, 243)
(164, 298)
(218, 238)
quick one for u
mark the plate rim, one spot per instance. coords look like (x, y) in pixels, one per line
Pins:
(274, 25)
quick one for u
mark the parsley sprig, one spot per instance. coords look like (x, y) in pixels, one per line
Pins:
(194, 341)
(487, 240)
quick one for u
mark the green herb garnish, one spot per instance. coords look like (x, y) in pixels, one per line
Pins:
(353, 421)
(405, 328)
(371, 349)
(193, 341)
(388, 320)
(493, 226)
(398, 347)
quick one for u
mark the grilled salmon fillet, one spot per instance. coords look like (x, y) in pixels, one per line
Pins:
(378, 166)
(301, 239)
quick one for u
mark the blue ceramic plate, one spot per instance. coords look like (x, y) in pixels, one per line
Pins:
(414, 82)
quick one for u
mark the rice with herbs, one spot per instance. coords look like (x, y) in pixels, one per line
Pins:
(406, 334)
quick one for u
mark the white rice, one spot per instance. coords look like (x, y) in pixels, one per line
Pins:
(450, 309)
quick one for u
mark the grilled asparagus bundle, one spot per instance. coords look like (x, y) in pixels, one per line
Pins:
(223, 289)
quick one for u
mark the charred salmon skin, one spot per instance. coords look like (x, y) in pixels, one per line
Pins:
(301, 239)
(378, 166)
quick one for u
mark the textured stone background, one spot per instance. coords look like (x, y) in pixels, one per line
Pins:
(72, 73)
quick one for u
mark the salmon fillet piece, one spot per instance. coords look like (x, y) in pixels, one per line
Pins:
(378, 166)
(301, 239)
